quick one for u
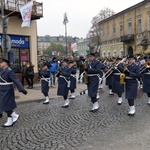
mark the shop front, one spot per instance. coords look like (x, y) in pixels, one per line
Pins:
(19, 52)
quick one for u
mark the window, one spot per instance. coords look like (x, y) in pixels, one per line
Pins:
(129, 28)
(108, 54)
(114, 53)
(139, 25)
(107, 34)
(121, 30)
(114, 32)
(121, 52)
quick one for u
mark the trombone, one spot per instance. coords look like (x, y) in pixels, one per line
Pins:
(147, 65)
(113, 67)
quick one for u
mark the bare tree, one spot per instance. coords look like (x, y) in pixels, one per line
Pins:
(94, 31)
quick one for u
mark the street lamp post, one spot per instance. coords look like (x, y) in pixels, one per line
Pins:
(4, 30)
(65, 23)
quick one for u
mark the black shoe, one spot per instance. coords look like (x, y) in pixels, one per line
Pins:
(65, 106)
(45, 102)
(1, 115)
(131, 115)
(30, 87)
(94, 110)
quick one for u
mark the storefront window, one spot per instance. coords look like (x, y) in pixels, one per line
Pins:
(16, 57)
(19, 51)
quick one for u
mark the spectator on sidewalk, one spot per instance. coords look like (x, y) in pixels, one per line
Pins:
(53, 67)
(7, 95)
(24, 72)
(30, 74)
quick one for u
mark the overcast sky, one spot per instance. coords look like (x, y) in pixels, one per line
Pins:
(80, 14)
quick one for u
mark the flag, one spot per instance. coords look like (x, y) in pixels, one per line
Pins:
(26, 11)
(74, 47)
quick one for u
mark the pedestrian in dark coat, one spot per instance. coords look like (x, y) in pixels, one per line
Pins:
(64, 82)
(132, 73)
(44, 73)
(30, 74)
(146, 79)
(7, 97)
(109, 75)
(73, 67)
(93, 71)
(116, 86)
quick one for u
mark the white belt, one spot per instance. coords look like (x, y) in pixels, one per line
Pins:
(117, 74)
(128, 78)
(44, 78)
(91, 75)
(7, 83)
(147, 73)
(73, 75)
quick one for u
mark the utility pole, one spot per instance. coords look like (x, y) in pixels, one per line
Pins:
(4, 31)
(65, 23)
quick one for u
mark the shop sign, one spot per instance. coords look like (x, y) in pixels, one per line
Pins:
(17, 41)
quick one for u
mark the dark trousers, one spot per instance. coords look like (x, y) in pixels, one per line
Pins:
(94, 99)
(9, 113)
(148, 94)
(45, 94)
(119, 95)
(30, 81)
(131, 102)
(65, 97)
(24, 78)
(110, 87)
(72, 90)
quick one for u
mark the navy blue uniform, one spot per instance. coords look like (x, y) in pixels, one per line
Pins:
(45, 76)
(109, 78)
(73, 77)
(63, 79)
(132, 81)
(116, 86)
(7, 96)
(93, 79)
(146, 81)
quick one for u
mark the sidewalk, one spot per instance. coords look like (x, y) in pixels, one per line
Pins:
(36, 95)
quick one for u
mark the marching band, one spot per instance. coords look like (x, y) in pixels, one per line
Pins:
(122, 75)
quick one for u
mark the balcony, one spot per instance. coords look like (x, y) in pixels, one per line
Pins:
(12, 7)
(127, 38)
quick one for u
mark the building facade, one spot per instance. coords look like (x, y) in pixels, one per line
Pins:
(45, 41)
(82, 47)
(122, 33)
(23, 40)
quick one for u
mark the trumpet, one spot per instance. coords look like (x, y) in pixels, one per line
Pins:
(146, 66)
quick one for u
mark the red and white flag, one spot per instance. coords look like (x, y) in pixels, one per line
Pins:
(74, 47)
(26, 11)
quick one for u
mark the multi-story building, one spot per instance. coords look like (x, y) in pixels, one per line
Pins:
(23, 40)
(45, 41)
(122, 33)
(82, 47)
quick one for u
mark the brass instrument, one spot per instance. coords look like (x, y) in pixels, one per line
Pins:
(146, 66)
(122, 75)
(71, 64)
(85, 76)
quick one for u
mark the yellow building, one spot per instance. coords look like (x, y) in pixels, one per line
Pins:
(23, 40)
(122, 32)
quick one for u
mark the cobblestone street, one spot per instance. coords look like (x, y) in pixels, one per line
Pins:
(50, 127)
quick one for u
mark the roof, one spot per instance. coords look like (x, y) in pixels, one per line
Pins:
(124, 11)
